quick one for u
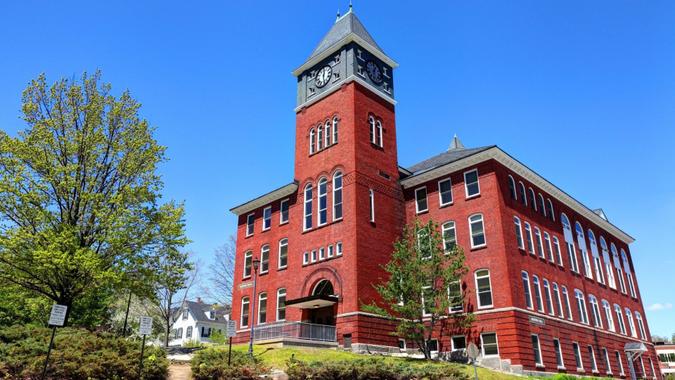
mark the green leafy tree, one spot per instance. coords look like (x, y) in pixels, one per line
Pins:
(79, 194)
(424, 283)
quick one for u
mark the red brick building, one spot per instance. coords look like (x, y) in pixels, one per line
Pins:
(551, 282)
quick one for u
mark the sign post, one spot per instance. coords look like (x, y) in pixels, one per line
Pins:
(231, 333)
(144, 329)
(56, 318)
(472, 352)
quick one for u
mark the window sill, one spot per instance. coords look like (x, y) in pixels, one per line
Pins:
(283, 223)
(266, 229)
(248, 236)
(472, 196)
(581, 370)
(421, 212)
(485, 308)
(562, 368)
(479, 247)
(282, 268)
(540, 366)
(446, 205)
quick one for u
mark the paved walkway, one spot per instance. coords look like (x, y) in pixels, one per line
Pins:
(180, 371)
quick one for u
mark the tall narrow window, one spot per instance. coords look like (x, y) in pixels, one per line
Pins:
(421, 200)
(548, 247)
(566, 298)
(323, 201)
(619, 319)
(283, 253)
(512, 188)
(483, 288)
(537, 293)
(542, 205)
(619, 270)
(569, 242)
(250, 223)
(528, 238)
(608, 315)
(608, 263)
(312, 141)
(444, 192)
(558, 301)
(449, 236)
(631, 323)
(629, 274)
(283, 211)
(556, 250)
(371, 197)
(538, 241)
(471, 185)
(526, 289)
(477, 231)
(558, 354)
(328, 134)
(581, 306)
(489, 344)
(337, 196)
(455, 297)
(595, 310)
(371, 122)
(244, 312)
(336, 123)
(380, 137)
(577, 356)
(265, 259)
(547, 297)
(618, 360)
(532, 199)
(641, 326)
(319, 137)
(248, 261)
(308, 207)
(584, 251)
(551, 213)
(519, 233)
(281, 304)
(608, 364)
(591, 355)
(536, 350)
(596, 257)
(267, 218)
(262, 308)
(521, 193)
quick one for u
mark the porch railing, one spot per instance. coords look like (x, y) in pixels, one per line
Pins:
(295, 330)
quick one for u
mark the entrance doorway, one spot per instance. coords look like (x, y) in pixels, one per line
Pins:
(322, 315)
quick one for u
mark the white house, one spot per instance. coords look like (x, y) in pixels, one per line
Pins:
(195, 321)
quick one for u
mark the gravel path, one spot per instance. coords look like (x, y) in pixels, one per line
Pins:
(180, 371)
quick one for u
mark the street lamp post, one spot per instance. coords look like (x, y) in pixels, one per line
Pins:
(256, 264)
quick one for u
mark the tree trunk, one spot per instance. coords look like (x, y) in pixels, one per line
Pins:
(168, 320)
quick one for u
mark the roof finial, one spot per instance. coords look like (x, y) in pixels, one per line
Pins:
(455, 144)
(350, 5)
(338, 14)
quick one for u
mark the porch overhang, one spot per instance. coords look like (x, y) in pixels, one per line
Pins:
(313, 302)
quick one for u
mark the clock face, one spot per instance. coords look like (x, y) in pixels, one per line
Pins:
(374, 72)
(323, 76)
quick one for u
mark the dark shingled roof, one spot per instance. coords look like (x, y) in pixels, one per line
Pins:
(445, 158)
(343, 27)
(199, 310)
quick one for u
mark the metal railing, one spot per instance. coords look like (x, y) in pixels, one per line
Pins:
(295, 330)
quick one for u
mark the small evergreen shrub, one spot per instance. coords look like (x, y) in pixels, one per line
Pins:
(211, 363)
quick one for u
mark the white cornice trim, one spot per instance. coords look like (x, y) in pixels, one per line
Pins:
(263, 200)
(336, 86)
(517, 167)
(351, 37)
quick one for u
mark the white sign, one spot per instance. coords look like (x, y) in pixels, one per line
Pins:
(58, 315)
(146, 326)
(472, 351)
(231, 329)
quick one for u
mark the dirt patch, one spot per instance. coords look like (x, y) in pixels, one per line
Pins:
(180, 371)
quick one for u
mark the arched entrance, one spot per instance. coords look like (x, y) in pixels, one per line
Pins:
(322, 315)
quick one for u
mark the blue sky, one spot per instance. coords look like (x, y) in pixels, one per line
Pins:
(582, 92)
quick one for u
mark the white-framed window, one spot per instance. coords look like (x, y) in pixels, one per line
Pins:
(608, 315)
(283, 253)
(471, 184)
(619, 270)
(322, 253)
(519, 232)
(305, 258)
(618, 360)
(537, 293)
(547, 296)
(557, 252)
(315, 256)
(327, 134)
(566, 299)
(538, 241)
(548, 247)
(186, 312)
(608, 364)
(591, 355)
(631, 323)
(323, 202)
(373, 133)
(401, 345)
(477, 231)
(558, 354)
(188, 332)
(608, 263)
(641, 325)
(532, 199)
(433, 345)
(489, 344)
(337, 196)
(512, 188)
(551, 213)
(558, 301)
(581, 306)
(449, 236)
(371, 198)
(267, 218)
(584, 251)
(651, 364)
(521, 193)
(444, 192)
(526, 289)
(265, 258)
(319, 137)
(569, 243)
(329, 251)
(281, 304)
(421, 200)
(250, 224)
(599, 276)
(426, 290)
(283, 211)
(262, 308)
(458, 342)
(336, 125)
(248, 263)
(528, 238)
(245, 310)
(483, 288)
(595, 310)
(619, 319)
(542, 205)
(312, 141)
(455, 297)
(338, 249)
(536, 351)
(380, 134)
(577, 356)
(629, 273)
(308, 207)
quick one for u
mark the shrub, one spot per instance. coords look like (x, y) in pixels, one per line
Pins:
(211, 363)
(371, 368)
(77, 354)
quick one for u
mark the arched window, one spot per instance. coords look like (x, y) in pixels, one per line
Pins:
(629, 274)
(323, 287)
(526, 289)
(519, 233)
(327, 133)
(521, 193)
(641, 326)
(595, 310)
(265, 259)
(631, 323)
(537, 293)
(312, 141)
(581, 306)
(569, 243)
(584, 251)
(477, 231)
(558, 301)
(528, 238)
(483, 288)
(319, 137)
(608, 263)
(557, 251)
(596, 257)
(566, 299)
(281, 304)
(283, 253)
(245, 303)
(608, 315)
(619, 319)
(371, 122)
(380, 137)
(308, 207)
(548, 247)
(551, 213)
(512, 188)
(547, 296)
(323, 201)
(337, 196)
(532, 199)
(542, 205)
(619, 270)
(262, 308)
(335, 129)
(538, 241)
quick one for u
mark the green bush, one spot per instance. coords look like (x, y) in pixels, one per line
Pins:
(211, 363)
(77, 354)
(371, 368)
